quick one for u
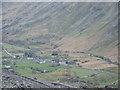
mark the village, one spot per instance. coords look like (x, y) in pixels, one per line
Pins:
(56, 58)
(31, 64)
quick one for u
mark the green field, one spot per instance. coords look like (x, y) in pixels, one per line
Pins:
(62, 73)
(58, 73)
(13, 47)
(45, 66)
(82, 72)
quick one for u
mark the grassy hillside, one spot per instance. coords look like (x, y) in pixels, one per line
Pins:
(90, 27)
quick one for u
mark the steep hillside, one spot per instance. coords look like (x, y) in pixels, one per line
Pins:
(90, 27)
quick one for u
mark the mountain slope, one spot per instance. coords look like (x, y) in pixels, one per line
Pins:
(90, 27)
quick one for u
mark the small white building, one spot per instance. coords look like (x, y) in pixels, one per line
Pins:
(29, 58)
(42, 62)
(62, 62)
(7, 67)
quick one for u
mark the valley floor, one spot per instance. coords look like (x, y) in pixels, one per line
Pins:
(63, 68)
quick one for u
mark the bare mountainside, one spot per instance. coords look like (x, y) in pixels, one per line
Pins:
(89, 27)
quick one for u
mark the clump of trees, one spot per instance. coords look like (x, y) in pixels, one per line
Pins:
(54, 53)
(29, 54)
(7, 62)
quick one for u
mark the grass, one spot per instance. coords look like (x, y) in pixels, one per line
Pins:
(111, 69)
(20, 54)
(59, 73)
(82, 72)
(25, 71)
(55, 75)
(44, 66)
(3, 53)
(40, 47)
(23, 68)
(0, 66)
(108, 82)
(102, 78)
(44, 55)
(13, 47)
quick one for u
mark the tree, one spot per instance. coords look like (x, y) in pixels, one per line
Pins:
(29, 54)
(54, 53)
(55, 46)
